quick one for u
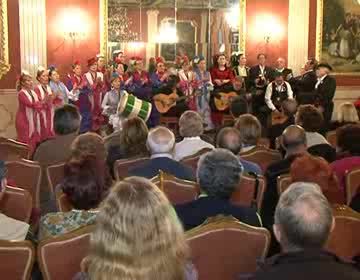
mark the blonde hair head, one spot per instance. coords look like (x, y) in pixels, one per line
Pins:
(137, 237)
(347, 113)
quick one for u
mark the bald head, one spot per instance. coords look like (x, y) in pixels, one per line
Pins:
(229, 138)
(303, 217)
(160, 140)
(280, 63)
(294, 139)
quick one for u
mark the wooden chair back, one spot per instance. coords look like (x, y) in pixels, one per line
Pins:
(250, 191)
(122, 166)
(283, 182)
(16, 259)
(262, 156)
(26, 174)
(68, 250)
(344, 240)
(352, 183)
(55, 174)
(178, 191)
(223, 248)
(13, 150)
(17, 204)
(192, 161)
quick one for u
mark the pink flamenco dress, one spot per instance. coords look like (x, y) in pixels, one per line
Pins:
(28, 118)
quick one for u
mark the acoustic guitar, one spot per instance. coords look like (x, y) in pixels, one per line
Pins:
(223, 102)
(164, 102)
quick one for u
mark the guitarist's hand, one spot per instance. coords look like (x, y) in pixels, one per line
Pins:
(218, 82)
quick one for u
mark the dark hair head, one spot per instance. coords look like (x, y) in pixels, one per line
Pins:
(86, 182)
(133, 137)
(260, 54)
(66, 120)
(229, 138)
(310, 118)
(239, 106)
(278, 74)
(348, 139)
(219, 173)
(289, 107)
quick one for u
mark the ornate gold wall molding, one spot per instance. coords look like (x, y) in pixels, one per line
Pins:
(4, 43)
(242, 29)
(319, 28)
(103, 27)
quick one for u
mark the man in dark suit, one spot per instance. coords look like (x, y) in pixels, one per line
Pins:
(294, 143)
(325, 91)
(260, 76)
(161, 143)
(282, 69)
(303, 85)
(219, 173)
(303, 223)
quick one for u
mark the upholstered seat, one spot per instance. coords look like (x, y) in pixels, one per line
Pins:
(262, 156)
(25, 174)
(178, 191)
(246, 193)
(16, 260)
(60, 257)
(344, 240)
(223, 247)
(13, 150)
(55, 174)
(352, 183)
(17, 204)
(192, 161)
(122, 166)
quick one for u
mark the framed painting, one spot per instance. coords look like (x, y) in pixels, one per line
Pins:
(4, 47)
(338, 35)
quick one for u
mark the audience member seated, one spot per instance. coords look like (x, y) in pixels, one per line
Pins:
(303, 222)
(312, 169)
(56, 149)
(161, 142)
(229, 138)
(293, 141)
(191, 128)
(250, 129)
(132, 142)
(289, 107)
(10, 229)
(85, 188)
(346, 114)
(219, 173)
(348, 141)
(311, 119)
(66, 128)
(137, 236)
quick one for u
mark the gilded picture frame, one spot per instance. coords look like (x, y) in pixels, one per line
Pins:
(4, 43)
(330, 40)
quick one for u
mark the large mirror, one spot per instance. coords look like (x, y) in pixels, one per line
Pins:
(171, 28)
(4, 47)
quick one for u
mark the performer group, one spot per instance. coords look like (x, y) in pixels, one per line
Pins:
(107, 94)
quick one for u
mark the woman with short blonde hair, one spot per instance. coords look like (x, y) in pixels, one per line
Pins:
(137, 237)
(347, 113)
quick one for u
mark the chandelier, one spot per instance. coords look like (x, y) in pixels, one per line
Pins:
(120, 26)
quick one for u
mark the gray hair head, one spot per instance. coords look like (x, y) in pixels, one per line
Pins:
(219, 173)
(304, 217)
(160, 140)
(229, 138)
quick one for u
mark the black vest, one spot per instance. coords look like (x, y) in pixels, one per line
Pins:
(278, 96)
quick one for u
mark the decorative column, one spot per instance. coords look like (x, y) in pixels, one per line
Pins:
(32, 17)
(298, 34)
(203, 32)
(152, 31)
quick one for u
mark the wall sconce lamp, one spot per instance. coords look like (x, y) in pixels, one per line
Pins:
(269, 28)
(74, 24)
